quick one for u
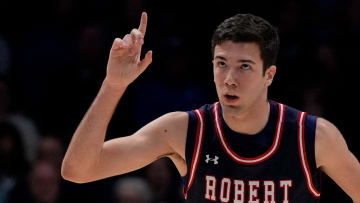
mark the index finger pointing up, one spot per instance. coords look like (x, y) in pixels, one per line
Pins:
(143, 23)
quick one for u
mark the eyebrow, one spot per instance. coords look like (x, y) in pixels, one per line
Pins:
(239, 61)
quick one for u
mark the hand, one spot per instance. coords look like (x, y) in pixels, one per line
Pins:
(124, 64)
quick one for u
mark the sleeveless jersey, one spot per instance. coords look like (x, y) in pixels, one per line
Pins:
(276, 165)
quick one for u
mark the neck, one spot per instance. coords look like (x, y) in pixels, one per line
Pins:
(247, 120)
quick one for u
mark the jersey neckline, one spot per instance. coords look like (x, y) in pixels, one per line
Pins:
(227, 130)
(245, 160)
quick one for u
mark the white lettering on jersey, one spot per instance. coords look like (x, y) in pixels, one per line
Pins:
(240, 187)
(286, 184)
(225, 190)
(269, 191)
(239, 191)
(253, 191)
(210, 188)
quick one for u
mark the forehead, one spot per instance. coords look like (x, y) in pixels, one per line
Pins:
(238, 50)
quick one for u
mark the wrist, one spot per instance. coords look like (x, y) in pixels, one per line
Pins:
(116, 87)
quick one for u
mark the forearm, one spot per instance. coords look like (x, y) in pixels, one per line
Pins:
(82, 158)
(85, 147)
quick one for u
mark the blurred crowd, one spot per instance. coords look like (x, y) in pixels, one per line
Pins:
(53, 57)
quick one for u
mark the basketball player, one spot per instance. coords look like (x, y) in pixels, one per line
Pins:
(244, 148)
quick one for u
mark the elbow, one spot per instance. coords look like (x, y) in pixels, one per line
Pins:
(356, 198)
(71, 173)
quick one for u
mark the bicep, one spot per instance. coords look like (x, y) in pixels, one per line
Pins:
(122, 155)
(334, 158)
(126, 154)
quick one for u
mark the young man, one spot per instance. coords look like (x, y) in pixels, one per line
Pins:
(243, 148)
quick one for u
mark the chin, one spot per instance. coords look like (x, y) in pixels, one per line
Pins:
(230, 104)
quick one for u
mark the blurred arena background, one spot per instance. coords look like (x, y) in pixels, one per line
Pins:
(53, 57)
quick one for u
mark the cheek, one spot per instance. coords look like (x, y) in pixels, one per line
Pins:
(258, 86)
(251, 84)
(217, 77)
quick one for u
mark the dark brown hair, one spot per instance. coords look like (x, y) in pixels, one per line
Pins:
(249, 28)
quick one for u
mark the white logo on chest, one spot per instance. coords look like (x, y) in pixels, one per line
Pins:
(215, 160)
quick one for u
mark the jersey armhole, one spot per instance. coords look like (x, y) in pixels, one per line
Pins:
(310, 134)
(190, 144)
(193, 147)
(310, 129)
(190, 137)
(306, 146)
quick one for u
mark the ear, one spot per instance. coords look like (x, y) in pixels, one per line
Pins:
(270, 74)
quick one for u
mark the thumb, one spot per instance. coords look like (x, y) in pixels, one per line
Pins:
(146, 61)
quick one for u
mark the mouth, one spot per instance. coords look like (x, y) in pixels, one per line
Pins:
(230, 97)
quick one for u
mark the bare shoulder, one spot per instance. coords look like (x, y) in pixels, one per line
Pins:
(335, 159)
(177, 117)
(170, 128)
(327, 141)
(177, 128)
(177, 120)
(327, 132)
(171, 123)
(176, 125)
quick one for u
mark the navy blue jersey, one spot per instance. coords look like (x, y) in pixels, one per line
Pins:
(274, 165)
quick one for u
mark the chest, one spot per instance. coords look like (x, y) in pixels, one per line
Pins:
(225, 168)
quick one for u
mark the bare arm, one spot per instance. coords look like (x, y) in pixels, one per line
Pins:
(334, 158)
(88, 158)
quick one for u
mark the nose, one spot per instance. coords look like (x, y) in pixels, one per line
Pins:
(230, 80)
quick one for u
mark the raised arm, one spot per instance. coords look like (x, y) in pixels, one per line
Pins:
(88, 158)
(334, 158)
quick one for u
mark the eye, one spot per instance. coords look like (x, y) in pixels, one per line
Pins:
(221, 64)
(245, 67)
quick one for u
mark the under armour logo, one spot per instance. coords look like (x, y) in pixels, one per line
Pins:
(215, 160)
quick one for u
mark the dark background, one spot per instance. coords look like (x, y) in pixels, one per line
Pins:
(53, 57)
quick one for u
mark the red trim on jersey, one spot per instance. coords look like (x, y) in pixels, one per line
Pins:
(197, 148)
(250, 161)
(303, 156)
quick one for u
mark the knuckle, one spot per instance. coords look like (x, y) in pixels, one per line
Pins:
(126, 37)
(137, 34)
(133, 36)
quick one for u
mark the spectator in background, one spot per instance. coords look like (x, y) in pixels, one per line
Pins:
(51, 150)
(42, 185)
(161, 179)
(24, 125)
(12, 159)
(132, 190)
(44, 182)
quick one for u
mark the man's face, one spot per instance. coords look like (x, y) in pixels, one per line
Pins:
(238, 74)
